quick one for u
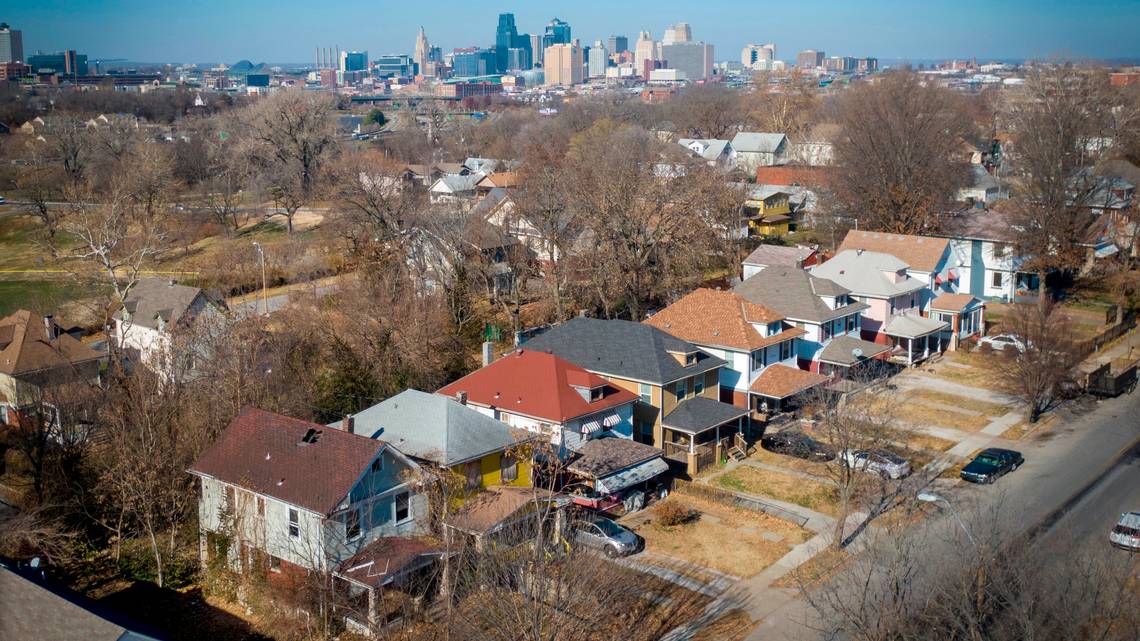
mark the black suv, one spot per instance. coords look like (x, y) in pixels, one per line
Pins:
(797, 444)
(990, 464)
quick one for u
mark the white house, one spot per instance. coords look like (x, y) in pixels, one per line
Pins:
(759, 150)
(717, 153)
(454, 188)
(156, 311)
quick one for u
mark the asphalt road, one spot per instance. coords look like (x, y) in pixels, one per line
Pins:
(1088, 520)
(256, 306)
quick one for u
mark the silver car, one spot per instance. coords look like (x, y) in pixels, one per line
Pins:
(1126, 534)
(881, 462)
(603, 534)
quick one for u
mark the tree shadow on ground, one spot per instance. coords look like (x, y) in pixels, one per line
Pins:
(179, 616)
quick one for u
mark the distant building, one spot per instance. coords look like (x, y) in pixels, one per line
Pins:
(840, 64)
(394, 66)
(257, 80)
(473, 62)
(460, 90)
(11, 44)
(809, 59)
(353, 60)
(513, 51)
(422, 53)
(618, 44)
(62, 62)
(518, 59)
(598, 60)
(694, 59)
(14, 70)
(563, 65)
(1120, 79)
(679, 32)
(646, 49)
(535, 49)
(867, 65)
(557, 32)
(753, 54)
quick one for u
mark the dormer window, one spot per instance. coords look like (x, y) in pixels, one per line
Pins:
(685, 358)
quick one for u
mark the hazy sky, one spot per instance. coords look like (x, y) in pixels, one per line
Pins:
(288, 31)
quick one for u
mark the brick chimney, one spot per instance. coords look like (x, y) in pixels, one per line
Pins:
(49, 327)
(349, 423)
(461, 397)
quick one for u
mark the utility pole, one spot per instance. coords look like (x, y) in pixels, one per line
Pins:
(264, 290)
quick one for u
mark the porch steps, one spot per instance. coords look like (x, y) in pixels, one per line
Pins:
(737, 454)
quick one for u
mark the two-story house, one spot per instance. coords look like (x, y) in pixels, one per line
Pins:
(825, 311)
(715, 152)
(442, 433)
(756, 342)
(928, 259)
(676, 382)
(755, 150)
(988, 266)
(158, 310)
(767, 209)
(38, 363)
(295, 497)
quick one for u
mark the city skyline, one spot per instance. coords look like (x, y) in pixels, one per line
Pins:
(287, 32)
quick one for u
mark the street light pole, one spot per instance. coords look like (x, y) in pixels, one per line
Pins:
(264, 290)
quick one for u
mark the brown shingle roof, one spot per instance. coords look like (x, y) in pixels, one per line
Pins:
(499, 179)
(603, 456)
(952, 302)
(483, 512)
(718, 318)
(26, 347)
(263, 452)
(386, 558)
(781, 381)
(920, 252)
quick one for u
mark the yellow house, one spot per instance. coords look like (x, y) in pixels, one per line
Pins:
(768, 211)
(440, 432)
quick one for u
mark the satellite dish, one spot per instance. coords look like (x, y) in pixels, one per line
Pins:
(857, 353)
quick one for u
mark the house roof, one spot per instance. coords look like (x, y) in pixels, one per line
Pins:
(499, 179)
(699, 413)
(865, 273)
(151, 298)
(26, 347)
(432, 428)
(792, 175)
(624, 349)
(796, 294)
(537, 384)
(952, 302)
(913, 326)
(720, 319)
(922, 253)
(841, 350)
(779, 255)
(488, 509)
(604, 456)
(712, 147)
(455, 183)
(765, 143)
(781, 381)
(263, 452)
(386, 558)
(760, 192)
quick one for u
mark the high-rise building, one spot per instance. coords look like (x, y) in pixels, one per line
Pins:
(563, 65)
(618, 44)
(535, 49)
(63, 62)
(353, 60)
(695, 59)
(394, 65)
(810, 59)
(557, 32)
(645, 49)
(597, 61)
(506, 35)
(752, 55)
(422, 54)
(11, 44)
(472, 62)
(518, 59)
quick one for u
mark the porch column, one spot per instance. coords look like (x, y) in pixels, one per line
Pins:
(910, 352)
(372, 608)
(926, 346)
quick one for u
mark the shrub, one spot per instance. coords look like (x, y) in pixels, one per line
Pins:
(670, 513)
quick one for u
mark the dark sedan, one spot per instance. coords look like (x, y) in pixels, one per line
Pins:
(990, 464)
(797, 444)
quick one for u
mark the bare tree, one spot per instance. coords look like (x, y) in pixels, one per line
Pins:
(1036, 374)
(66, 141)
(706, 111)
(41, 184)
(790, 109)
(896, 157)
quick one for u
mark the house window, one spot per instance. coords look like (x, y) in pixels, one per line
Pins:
(294, 523)
(997, 279)
(378, 464)
(352, 524)
(646, 393)
(825, 329)
(229, 500)
(851, 323)
(785, 350)
(274, 564)
(508, 469)
(403, 513)
(760, 359)
(682, 389)
(698, 385)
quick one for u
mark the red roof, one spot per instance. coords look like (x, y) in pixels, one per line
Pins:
(537, 384)
(263, 452)
(792, 175)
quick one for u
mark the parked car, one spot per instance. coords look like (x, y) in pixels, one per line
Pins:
(990, 464)
(1126, 534)
(607, 536)
(2, 200)
(796, 443)
(881, 462)
(999, 342)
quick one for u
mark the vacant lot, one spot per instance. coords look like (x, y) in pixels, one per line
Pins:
(730, 540)
(992, 410)
(782, 487)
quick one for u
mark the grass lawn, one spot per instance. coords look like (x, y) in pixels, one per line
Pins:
(724, 538)
(38, 295)
(824, 565)
(733, 625)
(782, 487)
(761, 455)
(914, 413)
(964, 402)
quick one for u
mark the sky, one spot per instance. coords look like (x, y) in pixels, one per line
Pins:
(284, 31)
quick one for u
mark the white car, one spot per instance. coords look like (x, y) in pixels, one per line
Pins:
(881, 462)
(1000, 342)
(1126, 534)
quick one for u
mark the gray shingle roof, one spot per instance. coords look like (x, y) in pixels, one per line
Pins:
(154, 297)
(796, 294)
(779, 255)
(840, 350)
(699, 413)
(433, 428)
(751, 142)
(624, 349)
(865, 273)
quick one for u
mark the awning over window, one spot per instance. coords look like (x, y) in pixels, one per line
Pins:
(600, 422)
(632, 476)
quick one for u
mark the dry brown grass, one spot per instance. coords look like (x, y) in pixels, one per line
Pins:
(952, 471)
(921, 441)
(717, 540)
(782, 487)
(825, 564)
(733, 625)
(985, 407)
(917, 414)
(761, 455)
(1024, 428)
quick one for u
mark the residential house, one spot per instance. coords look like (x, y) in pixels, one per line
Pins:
(715, 152)
(676, 382)
(438, 431)
(489, 165)
(986, 264)
(893, 315)
(759, 150)
(454, 188)
(984, 189)
(767, 209)
(817, 147)
(158, 310)
(502, 211)
(756, 342)
(928, 259)
(423, 175)
(793, 256)
(38, 364)
(503, 515)
(964, 315)
(497, 180)
(824, 309)
(294, 497)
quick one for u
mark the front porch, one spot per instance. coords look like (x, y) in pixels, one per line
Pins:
(700, 432)
(780, 389)
(914, 338)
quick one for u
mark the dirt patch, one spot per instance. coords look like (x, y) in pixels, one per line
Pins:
(782, 487)
(992, 410)
(725, 539)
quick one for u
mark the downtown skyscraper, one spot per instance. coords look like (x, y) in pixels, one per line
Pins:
(512, 50)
